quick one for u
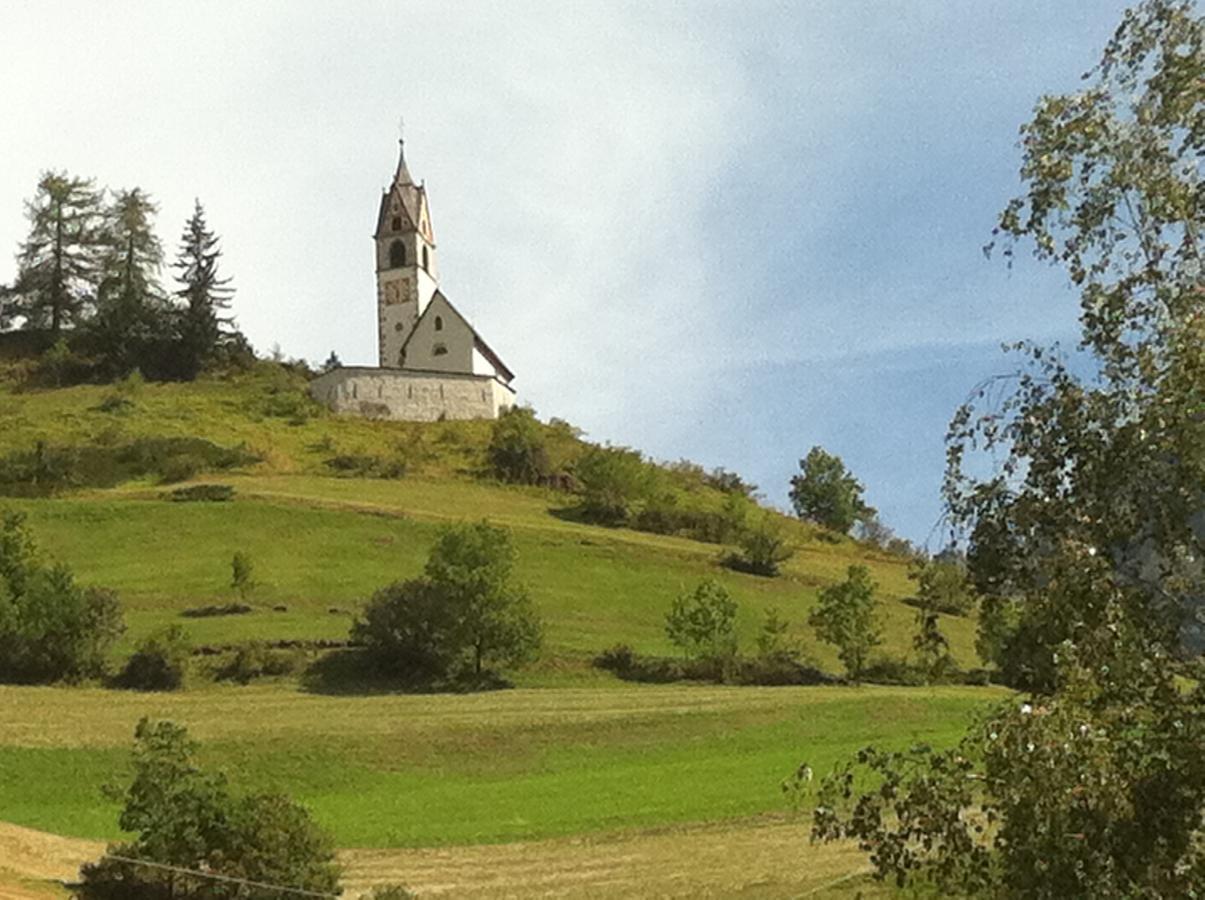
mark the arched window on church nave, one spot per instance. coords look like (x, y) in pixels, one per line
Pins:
(426, 261)
(439, 323)
(439, 350)
(397, 255)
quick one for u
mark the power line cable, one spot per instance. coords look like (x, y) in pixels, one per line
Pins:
(199, 873)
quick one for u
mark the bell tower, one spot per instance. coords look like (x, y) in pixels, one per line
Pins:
(407, 276)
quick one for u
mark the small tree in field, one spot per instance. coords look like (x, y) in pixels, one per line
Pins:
(464, 616)
(826, 493)
(847, 617)
(702, 622)
(931, 645)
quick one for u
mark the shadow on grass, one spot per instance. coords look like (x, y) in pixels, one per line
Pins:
(351, 672)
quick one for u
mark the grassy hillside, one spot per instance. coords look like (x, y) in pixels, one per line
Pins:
(321, 542)
(571, 751)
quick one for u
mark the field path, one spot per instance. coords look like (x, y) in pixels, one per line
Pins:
(752, 859)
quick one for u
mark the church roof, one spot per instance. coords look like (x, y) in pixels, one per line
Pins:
(478, 340)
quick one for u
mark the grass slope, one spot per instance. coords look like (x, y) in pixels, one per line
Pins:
(428, 770)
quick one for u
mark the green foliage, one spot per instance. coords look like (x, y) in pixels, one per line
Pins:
(931, 645)
(466, 615)
(361, 465)
(57, 264)
(764, 548)
(48, 469)
(1093, 792)
(242, 574)
(942, 585)
(1086, 541)
(50, 627)
(826, 493)
(256, 659)
(391, 892)
(517, 449)
(159, 663)
(205, 294)
(132, 315)
(185, 817)
(772, 638)
(612, 481)
(702, 622)
(206, 493)
(847, 616)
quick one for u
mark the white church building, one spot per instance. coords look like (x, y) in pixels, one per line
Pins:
(432, 364)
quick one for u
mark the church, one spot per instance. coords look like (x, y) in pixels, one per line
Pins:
(432, 364)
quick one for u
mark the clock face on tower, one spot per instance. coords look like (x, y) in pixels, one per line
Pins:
(393, 293)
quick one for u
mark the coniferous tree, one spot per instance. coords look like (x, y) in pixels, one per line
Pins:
(57, 264)
(205, 294)
(131, 312)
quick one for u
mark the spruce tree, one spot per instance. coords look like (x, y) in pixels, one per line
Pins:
(204, 293)
(131, 312)
(57, 264)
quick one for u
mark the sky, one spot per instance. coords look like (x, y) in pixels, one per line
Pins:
(717, 231)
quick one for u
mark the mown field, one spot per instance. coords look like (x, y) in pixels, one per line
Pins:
(570, 754)
(399, 771)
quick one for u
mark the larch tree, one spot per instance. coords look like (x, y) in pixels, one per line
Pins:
(58, 263)
(130, 309)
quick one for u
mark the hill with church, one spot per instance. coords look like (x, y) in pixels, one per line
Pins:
(330, 508)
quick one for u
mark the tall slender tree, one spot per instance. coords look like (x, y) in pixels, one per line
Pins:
(131, 311)
(205, 294)
(58, 264)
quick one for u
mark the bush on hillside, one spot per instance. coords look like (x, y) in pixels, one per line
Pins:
(363, 465)
(51, 628)
(517, 450)
(763, 549)
(257, 660)
(223, 609)
(184, 817)
(612, 482)
(204, 493)
(159, 663)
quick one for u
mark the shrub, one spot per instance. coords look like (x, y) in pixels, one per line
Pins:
(391, 892)
(50, 627)
(242, 574)
(763, 549)
(225, 609)
(257, 660)
(184, 817)
(517, 451)
(206, 493)
(893, 670)
(702, 622)
(611, 482)
(180, 468)
(360, 465)
(159, 663)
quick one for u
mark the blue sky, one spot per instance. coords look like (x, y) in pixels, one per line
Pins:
(721, 231)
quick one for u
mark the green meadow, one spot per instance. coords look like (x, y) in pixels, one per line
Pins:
(569, 750)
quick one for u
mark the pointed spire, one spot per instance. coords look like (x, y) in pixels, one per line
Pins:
(402, 176)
